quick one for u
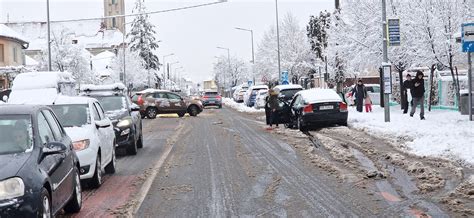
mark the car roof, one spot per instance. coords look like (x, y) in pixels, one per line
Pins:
(149, 91)
(19, 109)
(259, 87)
(289, 86)
(319, 95)
(62, 100)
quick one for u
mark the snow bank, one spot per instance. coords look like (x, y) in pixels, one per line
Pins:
(240, 106)
(41, 80)
(445, 134)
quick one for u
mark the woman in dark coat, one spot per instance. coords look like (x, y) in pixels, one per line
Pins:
(360, 93)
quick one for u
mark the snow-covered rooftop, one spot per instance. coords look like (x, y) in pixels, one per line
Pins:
(8, 32)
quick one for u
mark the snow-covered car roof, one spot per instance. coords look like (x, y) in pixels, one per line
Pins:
(109, 87)
(62, 100)
(258, 87)
(289, 86)
(41, 80)
(150, 90)
(319, 95)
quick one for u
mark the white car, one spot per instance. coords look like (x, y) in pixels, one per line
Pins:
(92, 135)
(260, 99)
(287, 91)
(251, 93)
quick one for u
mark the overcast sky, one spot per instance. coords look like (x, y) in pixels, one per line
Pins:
(192, 35)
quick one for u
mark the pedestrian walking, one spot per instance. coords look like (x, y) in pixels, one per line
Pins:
(368, 104)
(407, 97)
(418, 94)
(360, 93)
(272, 106)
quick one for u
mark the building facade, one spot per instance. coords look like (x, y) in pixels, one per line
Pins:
(113, 8)
(12, 54)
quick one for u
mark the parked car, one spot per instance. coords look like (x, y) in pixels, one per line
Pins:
(92, 134)
(211, 99)
(39, 170)
(372, 89)
(286, 92)
(312, 107)
(249, 97)
(239, 93)
(121, 111)
(261, 99)
(165, 102)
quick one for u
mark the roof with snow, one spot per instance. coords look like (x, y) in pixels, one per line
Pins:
(90, 34)
(8, 32)
(319, 95)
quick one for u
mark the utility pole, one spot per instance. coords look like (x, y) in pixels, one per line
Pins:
(253, 54)
(385, 60)
(49, 35)
(278, 40)
(164, 71)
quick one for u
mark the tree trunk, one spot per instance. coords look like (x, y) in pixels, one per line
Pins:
(402, 96)
(455, 84)
(430, 100)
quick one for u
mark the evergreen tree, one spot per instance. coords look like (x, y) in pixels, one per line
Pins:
(318, 34)
(142, 37)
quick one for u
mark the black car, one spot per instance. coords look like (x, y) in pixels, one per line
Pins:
(125, 115)
(39, 171)
(313, 107)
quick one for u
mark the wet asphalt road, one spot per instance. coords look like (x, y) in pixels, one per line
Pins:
(226, 164)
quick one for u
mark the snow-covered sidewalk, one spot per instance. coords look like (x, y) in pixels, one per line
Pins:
(240, 106)
(445, 134)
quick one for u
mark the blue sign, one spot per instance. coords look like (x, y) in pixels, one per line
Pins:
(284, 77)
(467, 37)
(394, 32)
(250, 82)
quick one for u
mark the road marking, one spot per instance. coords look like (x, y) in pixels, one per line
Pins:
(140, 197)
(390, 197)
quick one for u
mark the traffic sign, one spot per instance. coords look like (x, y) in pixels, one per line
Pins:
(387, 78)
(467, 37)
(394, 32)
(284, 77)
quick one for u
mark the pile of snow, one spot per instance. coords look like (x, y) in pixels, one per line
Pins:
(240, 106)
(90, 87)
(320, 95)
(41, 80)
(444, 134)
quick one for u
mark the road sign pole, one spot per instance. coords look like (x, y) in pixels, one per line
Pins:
(385, 60)
(469, 61)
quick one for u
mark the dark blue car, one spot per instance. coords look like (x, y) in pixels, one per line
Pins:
(39, 171)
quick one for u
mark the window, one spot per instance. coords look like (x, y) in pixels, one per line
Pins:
(173, 96)
(54, 125)
(100, 112)
(114, 22)
(95, 113)
(159, 95)
(45, 132)
(15, 54)
(2, 58)
(114, 2)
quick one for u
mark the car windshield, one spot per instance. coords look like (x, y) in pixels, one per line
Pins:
(288, 94)
(111, 103)
(72, 115)
(16, 134)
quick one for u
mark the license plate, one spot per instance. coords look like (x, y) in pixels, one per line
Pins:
(326, 107)
(212, 102)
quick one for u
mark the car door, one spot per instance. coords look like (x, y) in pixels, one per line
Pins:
(58, 166)
(161, 101)
(176, 102)
(295, 107)
(104, 134)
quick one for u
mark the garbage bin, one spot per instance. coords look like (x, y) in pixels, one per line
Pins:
(464, 103)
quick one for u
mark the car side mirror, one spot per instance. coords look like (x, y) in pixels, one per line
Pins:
(54, 148)
(102, 123)
(135, 107)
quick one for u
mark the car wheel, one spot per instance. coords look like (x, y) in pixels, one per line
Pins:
(74, 205)
(193, 111)
(300, 124)
(151, 112)
(45, 202)
(96, 180)
(220, 106)
(132, 149)
(181, 114)
(140, 141)
(110, 168)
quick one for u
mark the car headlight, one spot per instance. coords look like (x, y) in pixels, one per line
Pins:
(125, 132)
(11, 188)
(81, 145)
(124, 123)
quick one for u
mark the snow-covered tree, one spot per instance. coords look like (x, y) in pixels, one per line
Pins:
(317, 32)
(142, 37)
(66, 56)
(295, 53)
(236, 74)
(135, 70)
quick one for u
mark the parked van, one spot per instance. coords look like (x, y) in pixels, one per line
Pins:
(41, 87)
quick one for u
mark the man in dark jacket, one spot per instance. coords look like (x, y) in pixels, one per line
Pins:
(407, 87)
(272, 106)
(418, 93)
(360, 93)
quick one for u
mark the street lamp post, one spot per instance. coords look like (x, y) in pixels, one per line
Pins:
(49, 35)
(169, 67)
(228, 59)
(164, 72)
(278, 40)
(253, 54)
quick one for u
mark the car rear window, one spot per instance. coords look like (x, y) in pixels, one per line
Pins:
(288, 94)
(112, 103)
(211, 94)
(16, 133)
